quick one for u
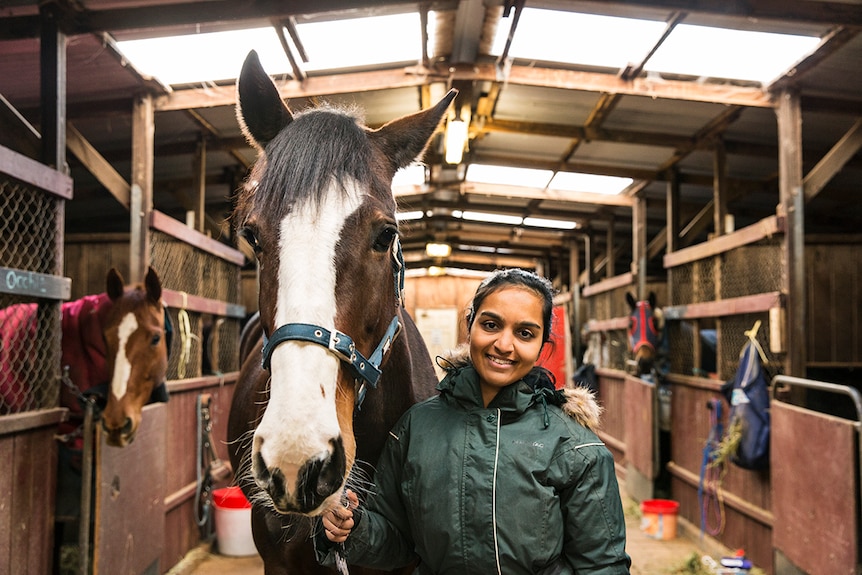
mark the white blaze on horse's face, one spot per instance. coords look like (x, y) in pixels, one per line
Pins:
(301, 421)
(122, 365)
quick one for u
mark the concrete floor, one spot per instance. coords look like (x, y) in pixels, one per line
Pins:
(649, 556)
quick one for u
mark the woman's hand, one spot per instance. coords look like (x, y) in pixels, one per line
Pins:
(338, 521)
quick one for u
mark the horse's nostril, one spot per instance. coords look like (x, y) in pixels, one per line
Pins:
(127, 426)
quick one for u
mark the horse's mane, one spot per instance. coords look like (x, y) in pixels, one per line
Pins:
(320, 146)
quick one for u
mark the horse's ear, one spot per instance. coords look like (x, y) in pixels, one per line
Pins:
(404, 139)
(115, 284)
(153, 285)
(260, 110)
(631, 299)
(651, 299)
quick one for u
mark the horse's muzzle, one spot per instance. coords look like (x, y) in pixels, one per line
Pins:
(316, 480)
(119, 436)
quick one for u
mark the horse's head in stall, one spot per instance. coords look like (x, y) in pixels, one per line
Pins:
(646, 324)
(319, 213)
(136, 331)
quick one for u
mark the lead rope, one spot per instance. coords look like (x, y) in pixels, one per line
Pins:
(712, 470)
(206, 460)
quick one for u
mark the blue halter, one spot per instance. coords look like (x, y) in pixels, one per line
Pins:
(365, 371)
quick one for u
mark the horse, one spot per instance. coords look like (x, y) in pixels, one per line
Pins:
(646, 332)
(113, 346)
(333, 359)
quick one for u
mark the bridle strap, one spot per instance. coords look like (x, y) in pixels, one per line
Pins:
(339, 344)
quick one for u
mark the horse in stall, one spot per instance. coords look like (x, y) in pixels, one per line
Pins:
(319, 212)
(646, 333)
(113, 347)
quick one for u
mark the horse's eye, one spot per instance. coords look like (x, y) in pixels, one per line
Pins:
(384, 238)
(249, 235)
(156, 339)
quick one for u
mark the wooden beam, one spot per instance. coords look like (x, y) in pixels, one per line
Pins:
(103, 171)
(747, 235)
(757, 303)
(519, 75)
(833, 161)
(141, 196)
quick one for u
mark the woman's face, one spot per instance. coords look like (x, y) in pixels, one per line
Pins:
(506, 338)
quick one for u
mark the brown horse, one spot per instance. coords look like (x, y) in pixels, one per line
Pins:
(319, 212)
(113, 346)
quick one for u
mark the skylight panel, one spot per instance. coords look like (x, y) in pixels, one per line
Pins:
(593, 183)
(491, 218)
(731, 54)
(412, 175)
(362, 41)
(550, 223)
(588, 39)
(509, 176)
(208, 57)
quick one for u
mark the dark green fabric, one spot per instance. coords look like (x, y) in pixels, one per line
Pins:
(556, 507)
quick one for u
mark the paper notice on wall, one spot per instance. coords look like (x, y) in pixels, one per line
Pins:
(439, 329)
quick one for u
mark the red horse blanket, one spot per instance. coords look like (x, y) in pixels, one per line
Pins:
(83, 351)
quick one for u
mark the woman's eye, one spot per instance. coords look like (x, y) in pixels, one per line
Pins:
(489, 325)
(384, 238)
(527, 334)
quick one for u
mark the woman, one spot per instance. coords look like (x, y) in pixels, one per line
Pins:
(499, 473)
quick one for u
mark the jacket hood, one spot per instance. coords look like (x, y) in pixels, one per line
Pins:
(577, 402)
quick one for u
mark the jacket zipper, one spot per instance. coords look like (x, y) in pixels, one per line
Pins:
(494, 497)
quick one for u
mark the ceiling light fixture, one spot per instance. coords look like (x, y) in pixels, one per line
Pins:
(438, 250)
(456, 139)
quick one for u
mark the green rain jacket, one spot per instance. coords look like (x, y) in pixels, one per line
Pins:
(522, 486)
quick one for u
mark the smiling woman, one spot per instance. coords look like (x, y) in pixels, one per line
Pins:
(519, 452)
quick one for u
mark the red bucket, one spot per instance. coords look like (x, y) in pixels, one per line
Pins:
(230, 498)
(659, 518)
(233, 522)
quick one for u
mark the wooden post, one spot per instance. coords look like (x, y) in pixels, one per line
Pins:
(143, 133)
(672, 216)
(575, 288)
(792, 205)
(201, 185)
(53, 86)
(610, 258)
(639, 244)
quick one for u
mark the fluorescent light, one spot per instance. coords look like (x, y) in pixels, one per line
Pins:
(436, 250)
(593, 183)
(456, 139)
(506, 175)
(491, 218)
(548, 223)
(413, 215)
(735, 54)
(412, 175)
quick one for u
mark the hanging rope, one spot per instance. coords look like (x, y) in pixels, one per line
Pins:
(712, 470)
(186, 337)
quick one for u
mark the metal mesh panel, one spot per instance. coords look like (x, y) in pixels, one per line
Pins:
(28, 227)
(694, 282)
(29, 354)
(680, 347)
(752, 269)
(185, 268)
(617, 349)
(732, 338)
(222, 343)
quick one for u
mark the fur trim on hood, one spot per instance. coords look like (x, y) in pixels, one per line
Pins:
(577, 402)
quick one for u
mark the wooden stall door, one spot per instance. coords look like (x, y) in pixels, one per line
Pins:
(130, 511)
(814, 495)
(640, 431)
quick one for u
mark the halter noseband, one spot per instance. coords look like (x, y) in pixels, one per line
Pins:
(365, 371)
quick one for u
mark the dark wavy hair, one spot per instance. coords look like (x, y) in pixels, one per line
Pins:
(516, 277)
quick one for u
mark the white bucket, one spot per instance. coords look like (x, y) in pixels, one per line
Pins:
(233, 522)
